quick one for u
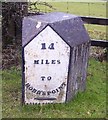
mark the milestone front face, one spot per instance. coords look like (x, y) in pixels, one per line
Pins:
(46, 60)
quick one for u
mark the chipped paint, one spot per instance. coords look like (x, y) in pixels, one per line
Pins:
(55, 57)
(38, 25)
(46, 63)
(65, 16)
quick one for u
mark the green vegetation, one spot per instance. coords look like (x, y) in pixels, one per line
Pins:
(98, 32)
(97, 9)
(89, 104)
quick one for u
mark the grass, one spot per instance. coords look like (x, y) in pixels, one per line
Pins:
(96, 9)
(81, 8)
(98, 32)
(89, 104)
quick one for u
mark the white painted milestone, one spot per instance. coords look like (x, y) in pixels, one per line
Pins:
(46, 68)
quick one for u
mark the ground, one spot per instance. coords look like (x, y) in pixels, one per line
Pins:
(89, 104)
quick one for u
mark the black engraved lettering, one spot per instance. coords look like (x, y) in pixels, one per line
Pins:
(53, 62)
(30, 88)
(57, 90)
(60, 87)
(51, 46)
(53, 91)
(42, 61)
(36, 61)
(48, 92)
(58, 62)
(34, 90)
(47, 62)
(43, 93)
(27, 85)
(63, 84)
(43, 78)
(43, 46)
(38, 92)
(49, 78)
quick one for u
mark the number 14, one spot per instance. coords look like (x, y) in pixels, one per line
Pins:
(51, 46)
